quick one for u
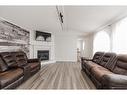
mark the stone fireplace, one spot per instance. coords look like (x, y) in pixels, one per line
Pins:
(42, 50)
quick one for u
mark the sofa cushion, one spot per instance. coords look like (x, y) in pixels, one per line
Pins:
(3, 66)
(98, 72)
(34, 67)
(105, 59)
(8, 59)
(97, 57)
(121, 65)
(20, 58)
(10, 76)
(111, 64)
(90, 64)
(108, 60)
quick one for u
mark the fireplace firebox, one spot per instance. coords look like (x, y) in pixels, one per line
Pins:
(43, 54)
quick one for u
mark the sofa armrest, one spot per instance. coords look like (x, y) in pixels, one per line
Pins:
(33, 60)
(114, 81)
(0, 85)
(85, 59)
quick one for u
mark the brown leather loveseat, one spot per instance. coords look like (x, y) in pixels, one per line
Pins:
(107, 70)
(15, 68)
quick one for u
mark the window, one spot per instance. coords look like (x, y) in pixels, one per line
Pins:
(101, 42)
(120, 37)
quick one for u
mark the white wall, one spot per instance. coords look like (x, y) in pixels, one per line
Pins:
(66, 46)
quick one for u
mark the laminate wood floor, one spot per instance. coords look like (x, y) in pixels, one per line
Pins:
(59, 76)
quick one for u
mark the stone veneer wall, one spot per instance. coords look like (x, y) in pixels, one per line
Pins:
(13, 37)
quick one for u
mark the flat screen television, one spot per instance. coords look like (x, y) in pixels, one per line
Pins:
(42, 36)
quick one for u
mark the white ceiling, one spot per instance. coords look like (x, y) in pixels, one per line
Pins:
(32, 17)
(91, 18)
(83, 19)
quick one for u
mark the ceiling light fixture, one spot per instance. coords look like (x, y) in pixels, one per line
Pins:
(60, 16)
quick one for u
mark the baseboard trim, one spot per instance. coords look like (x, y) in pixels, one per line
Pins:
(48, 62)
(65, 61)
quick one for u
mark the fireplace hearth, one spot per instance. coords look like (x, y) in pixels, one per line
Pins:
(43, 54)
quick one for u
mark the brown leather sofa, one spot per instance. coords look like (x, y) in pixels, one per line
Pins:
(16, 68)
(107, 70)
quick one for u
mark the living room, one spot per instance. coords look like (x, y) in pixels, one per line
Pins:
(55, 47)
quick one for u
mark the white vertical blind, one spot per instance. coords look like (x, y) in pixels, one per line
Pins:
(101, 42)
(83, 45)
(120, 37)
